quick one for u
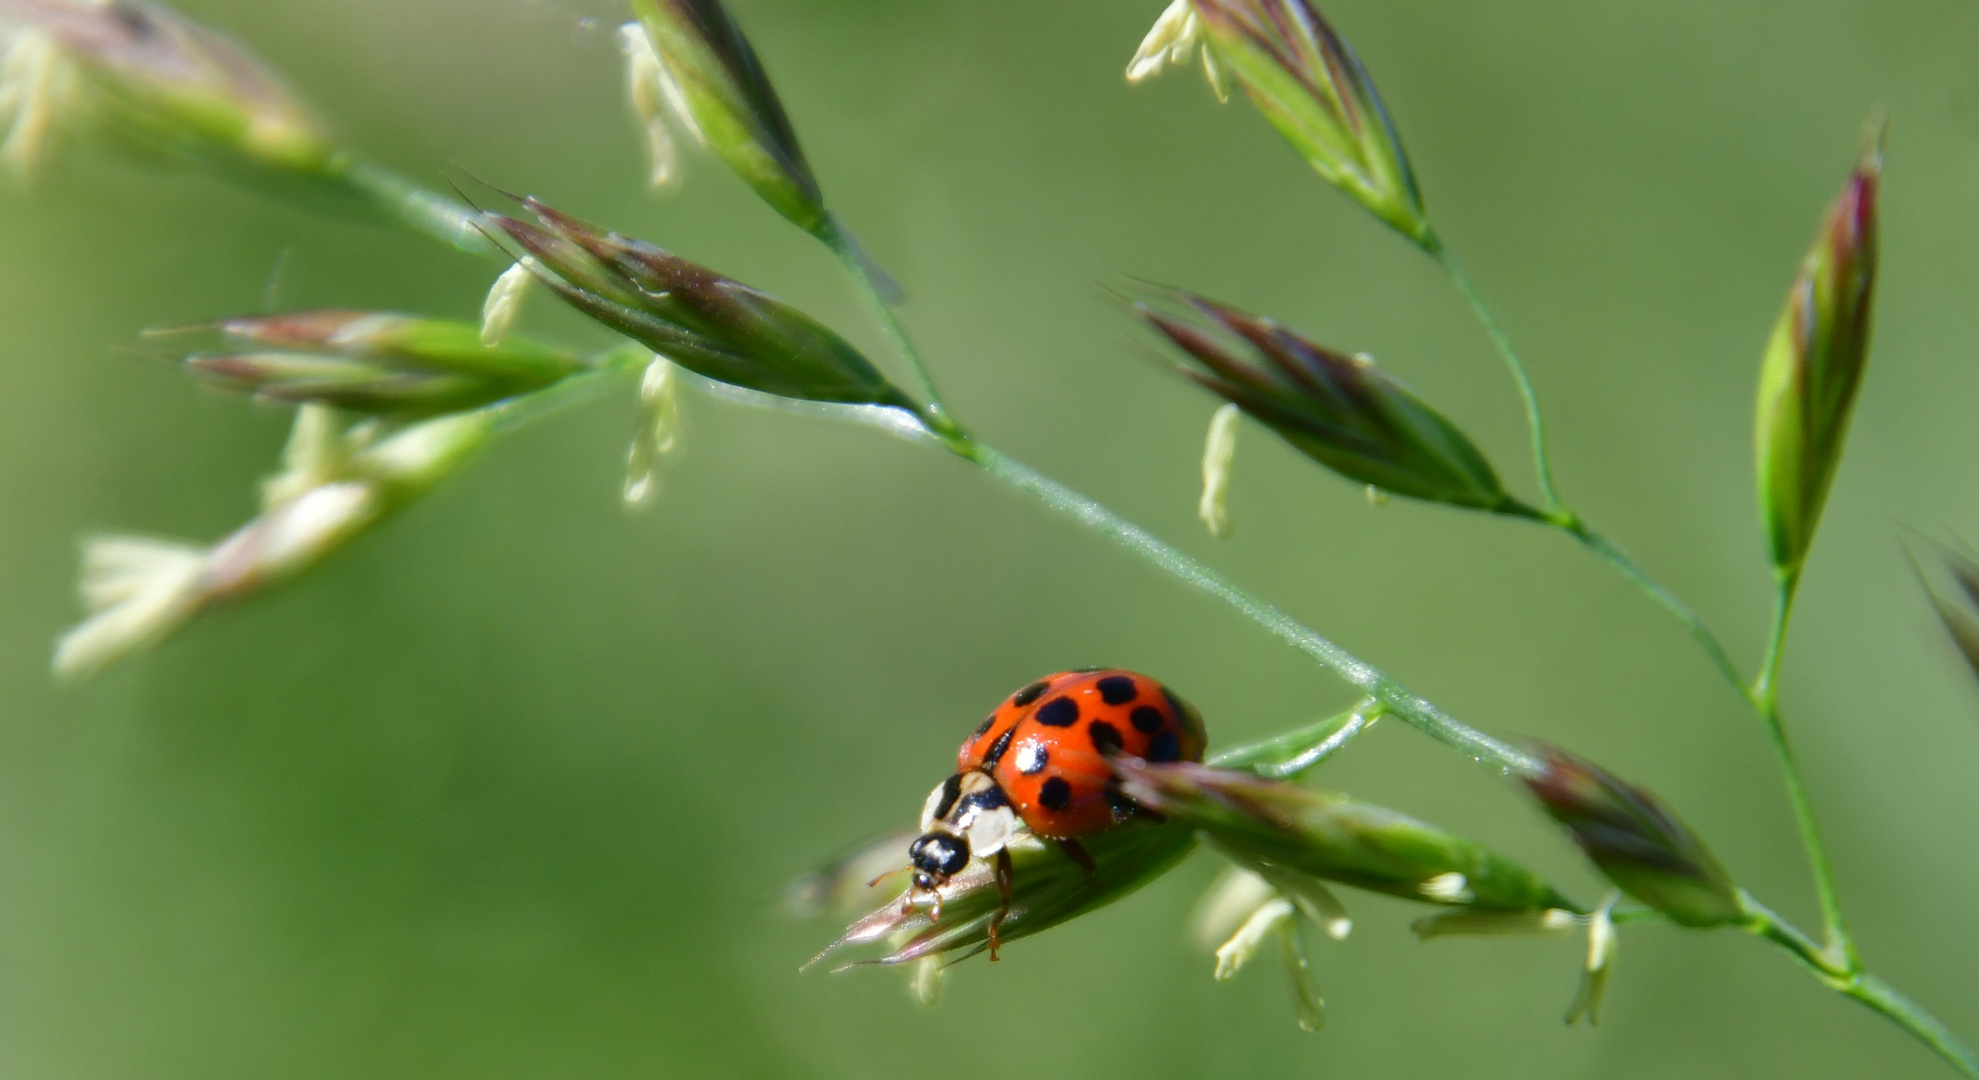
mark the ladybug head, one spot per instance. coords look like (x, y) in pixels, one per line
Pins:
(937, 856)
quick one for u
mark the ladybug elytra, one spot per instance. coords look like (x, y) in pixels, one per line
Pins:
(1041, 760)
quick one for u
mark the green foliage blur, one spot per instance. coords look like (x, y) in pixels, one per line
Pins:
(511, 788)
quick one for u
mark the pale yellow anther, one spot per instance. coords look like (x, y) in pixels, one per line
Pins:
(1172, 39)
(1219, 458)
(1243, 945)
(659, 431)
(504, 303)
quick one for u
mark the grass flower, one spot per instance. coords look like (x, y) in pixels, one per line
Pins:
(397, 366)
(1173, 40)
(1277, 828)
(709, 324)
(697, 67)
(155, 81)
(1636, 841)
(1343, 412)
(1049, 888)
(334, 486)
(1307, 81)
(1814, 365)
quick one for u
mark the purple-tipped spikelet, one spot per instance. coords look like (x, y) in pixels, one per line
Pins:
(1636, 841)
(711, 74)
(1274, 827)
(1049, 888)
(1307, 81)
(707, 323)
(396, 366)
(1343, 412)
(1814, 365)
(144, 74)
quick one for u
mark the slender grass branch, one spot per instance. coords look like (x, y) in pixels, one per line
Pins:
(1664, 597)
(1391, 696)
(1542, 459)
(873, 288)
(1556, 512)
(1765, 694)
(422, 210)
(1762, 694)
(1851, 981)
(1370, 680)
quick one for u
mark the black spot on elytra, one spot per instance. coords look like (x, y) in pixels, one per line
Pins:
(998, 747)
(1032, 758)
(982, 729)
(1164, 747)
(1058, 712)
(1118, 690)
(1106, 738)
(1056, 794)
(1147, 720)
(1029, 694)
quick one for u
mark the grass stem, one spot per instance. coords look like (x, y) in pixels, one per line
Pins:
(874, 289)
(422, 210)
(1765, 695)
(1542, 460)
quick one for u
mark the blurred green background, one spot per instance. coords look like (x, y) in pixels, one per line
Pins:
(512, 787)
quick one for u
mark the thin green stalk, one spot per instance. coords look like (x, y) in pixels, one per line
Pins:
(872, 287)
(1394, 697)
(1851, 981)
(1656, 591)
(1765, 694)
(1542, 459)
(1762, 694)
(420, 209)
(1557, 513)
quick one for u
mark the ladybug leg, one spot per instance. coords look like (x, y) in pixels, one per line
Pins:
(1006, 876)
(1078, 854)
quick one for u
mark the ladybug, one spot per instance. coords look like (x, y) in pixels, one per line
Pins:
(1040, 761)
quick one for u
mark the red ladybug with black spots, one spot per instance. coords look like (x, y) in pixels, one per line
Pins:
(1041, 759)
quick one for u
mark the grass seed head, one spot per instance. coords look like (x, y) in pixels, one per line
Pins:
(1344, 412)
(1283, 832)
(707, 323)
(1307, 81)
(1049, 888)
(1636, 841)
(378, 364)
(156, 81)
(1814, 364)
(705, 73)
(335, 486)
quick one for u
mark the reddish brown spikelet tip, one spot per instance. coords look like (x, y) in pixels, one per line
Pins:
(1635, 840)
